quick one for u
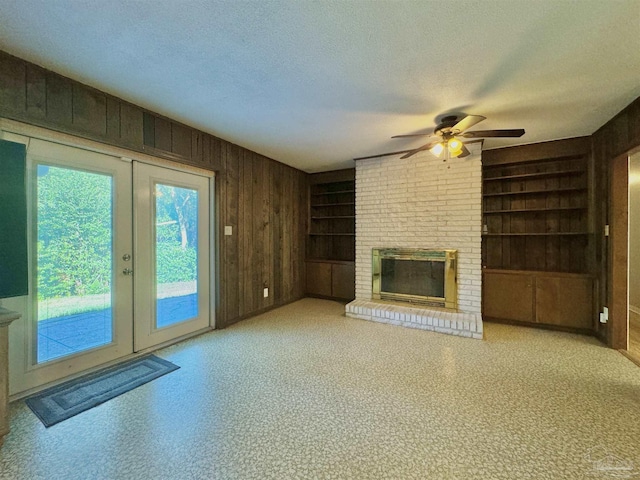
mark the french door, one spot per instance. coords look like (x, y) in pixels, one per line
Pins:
(119, 254)
(171, 274)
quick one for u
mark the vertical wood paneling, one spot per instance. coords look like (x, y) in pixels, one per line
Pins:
(301, 220)
(256, 247)
(266, 231)
(149, 129)
(197, 147)
(215, 160)
(276, 230)
(13, 92)
(36, 91)
(287, 243)
(89, 108)
(113, 119)
(633, 123)
(59, 101)
(130, 126)
(233, 293)
(181, 141)
(162, 134)
(217, 155)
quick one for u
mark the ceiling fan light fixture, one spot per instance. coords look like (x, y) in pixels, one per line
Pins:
(448, 146)
(455, 146)
(437, 149)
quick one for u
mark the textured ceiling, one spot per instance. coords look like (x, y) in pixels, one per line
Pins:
(315, 83)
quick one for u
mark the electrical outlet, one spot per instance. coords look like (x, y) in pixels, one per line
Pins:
(265, 292)
(228, 230)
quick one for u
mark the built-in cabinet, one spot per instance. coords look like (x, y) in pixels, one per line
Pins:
(543, 298)
(537, 238)
(327, 278)
(332, 235)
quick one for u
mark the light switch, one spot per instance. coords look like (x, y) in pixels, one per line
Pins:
(228, 230)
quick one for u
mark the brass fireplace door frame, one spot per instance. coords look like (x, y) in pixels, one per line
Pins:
(449, 257)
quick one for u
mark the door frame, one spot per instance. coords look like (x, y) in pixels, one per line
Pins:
(618, 272)
(619, 252)
(12, 128)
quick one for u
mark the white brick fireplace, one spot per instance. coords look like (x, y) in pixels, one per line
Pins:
(421, 202)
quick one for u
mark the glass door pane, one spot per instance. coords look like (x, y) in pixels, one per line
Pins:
(171, 252)
(74, 261)
(176, 249)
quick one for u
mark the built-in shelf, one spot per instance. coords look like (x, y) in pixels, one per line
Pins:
(535, 175)
(534, 210)
(331, 241)
(527, 192)
(533, 234)
(538, 249)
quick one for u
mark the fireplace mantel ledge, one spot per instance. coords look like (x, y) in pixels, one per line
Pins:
(433, 319)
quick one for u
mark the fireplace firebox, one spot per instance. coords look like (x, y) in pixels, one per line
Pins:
(420, 276)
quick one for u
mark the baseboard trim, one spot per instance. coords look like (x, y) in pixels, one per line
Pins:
(256, 313)
(630, 356)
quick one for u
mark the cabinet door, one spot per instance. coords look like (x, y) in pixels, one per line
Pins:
(508, 296)
(565, 301)
(343, 280)
(319, 278)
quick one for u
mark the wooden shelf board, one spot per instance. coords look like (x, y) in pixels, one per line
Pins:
(332, 217)
(333, 193)
(526, 210)
(536, 161)
(332, 204)
(332, 234)
(540, 234)
(330, 260)
(525, 192)
(535, 175)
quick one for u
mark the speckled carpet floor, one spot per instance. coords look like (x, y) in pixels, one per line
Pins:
(304, 392)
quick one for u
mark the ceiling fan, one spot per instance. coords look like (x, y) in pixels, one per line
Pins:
(449, 133)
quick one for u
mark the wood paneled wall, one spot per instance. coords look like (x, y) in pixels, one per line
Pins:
(262, 200)
(618, 136)
(265, 203)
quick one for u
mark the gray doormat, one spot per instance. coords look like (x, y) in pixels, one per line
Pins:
(75, 396)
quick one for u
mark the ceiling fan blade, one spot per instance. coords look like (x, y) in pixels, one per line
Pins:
(414, 135)
(467, 122)
(516, 132)
(420, 149)
(465, 152)
(383, 154)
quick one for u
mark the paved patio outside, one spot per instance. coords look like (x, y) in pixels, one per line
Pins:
(70, 334)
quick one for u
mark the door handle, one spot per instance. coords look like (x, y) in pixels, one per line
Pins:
(127, 271)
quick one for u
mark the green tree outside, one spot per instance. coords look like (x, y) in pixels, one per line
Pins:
(74, 247)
